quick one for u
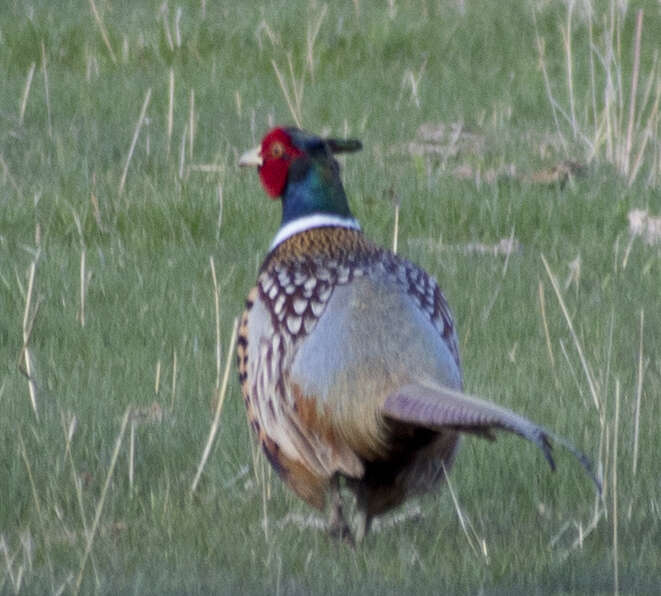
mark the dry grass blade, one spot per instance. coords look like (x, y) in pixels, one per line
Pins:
(131, 456)
(191, 124)
(508, 254)
(44, 71)
(616, 425)
(648, 133)
(83, 287)
(639, 393)
(104, 32)
(311, 38)
(170, 110)
(237, 101)
(102, 500)
(69, 430)
(593, 86)
(547, 335)
(182, 152)
(567, 35)
(265, 511)
(174, 379)
(28, 319)
(577, 343)
(157, 377)
(26, 93)
(477, 544)
(164, 12)
(37, 505)
(487, 311)
(294, 109)
(395, 233)
(652, 80)
(219, 194)
(136, 134)
(216, 304)
(298, 86)
(634, 89)
(219, 408)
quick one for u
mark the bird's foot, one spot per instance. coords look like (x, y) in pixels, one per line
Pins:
(363, 522)
(342, 532)
(337, 525)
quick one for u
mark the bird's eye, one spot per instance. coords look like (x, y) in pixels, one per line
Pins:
(277, 150)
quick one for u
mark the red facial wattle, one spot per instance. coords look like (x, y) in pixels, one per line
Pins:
(277, 154)
(273, 174)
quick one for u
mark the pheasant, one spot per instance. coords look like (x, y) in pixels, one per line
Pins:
(347, 353)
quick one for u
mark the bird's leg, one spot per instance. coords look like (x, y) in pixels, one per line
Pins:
(337, 525)
(363, 522)
(363, 517)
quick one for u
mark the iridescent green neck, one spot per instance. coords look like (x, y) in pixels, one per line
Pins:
(313, 187)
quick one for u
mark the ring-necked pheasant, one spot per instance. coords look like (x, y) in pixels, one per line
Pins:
(347, 353)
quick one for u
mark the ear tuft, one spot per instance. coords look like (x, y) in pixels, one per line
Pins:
(344, 145)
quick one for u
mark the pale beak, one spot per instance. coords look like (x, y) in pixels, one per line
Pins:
(252, 157)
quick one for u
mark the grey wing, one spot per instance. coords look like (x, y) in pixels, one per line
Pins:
(372, 337)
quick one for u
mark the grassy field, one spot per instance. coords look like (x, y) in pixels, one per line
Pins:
(120, 199)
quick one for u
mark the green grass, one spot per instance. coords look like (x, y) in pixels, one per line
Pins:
(148, 337)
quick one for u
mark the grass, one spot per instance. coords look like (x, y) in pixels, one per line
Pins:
(128, 236)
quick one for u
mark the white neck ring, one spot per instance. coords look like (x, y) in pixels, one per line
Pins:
(307, 222)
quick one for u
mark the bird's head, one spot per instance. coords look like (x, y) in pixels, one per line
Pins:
(286, 150)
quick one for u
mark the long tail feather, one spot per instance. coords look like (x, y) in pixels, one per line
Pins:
(442, 407)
